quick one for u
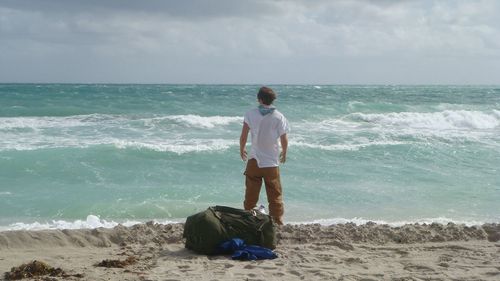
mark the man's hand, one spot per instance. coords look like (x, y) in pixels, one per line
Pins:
(282, 157)
(243, 141)
(243, 154)
(284, 147)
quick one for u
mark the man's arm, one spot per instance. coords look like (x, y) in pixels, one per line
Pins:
(284, 147)
(243, 141)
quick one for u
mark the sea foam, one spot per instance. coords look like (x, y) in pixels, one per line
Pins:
(204, 122)
(92, 221)
(345, 146)
(443, 120)
(40, 122)
(174, 146)
(361, 221)
(179, 147)
(156, 133)
(44, 122)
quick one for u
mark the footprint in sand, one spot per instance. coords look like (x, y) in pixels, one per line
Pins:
(294, 272)
(492, 273)
(184, 268)
(418, 267)
(353, 260)
(443, 264)
(445, 258)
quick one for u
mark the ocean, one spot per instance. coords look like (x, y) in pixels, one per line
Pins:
(75, 156)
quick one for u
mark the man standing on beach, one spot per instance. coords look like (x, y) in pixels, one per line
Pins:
(266, 125)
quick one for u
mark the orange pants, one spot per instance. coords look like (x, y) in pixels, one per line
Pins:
(253, 182)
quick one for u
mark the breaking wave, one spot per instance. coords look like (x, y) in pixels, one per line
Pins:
(204, 122)
(44, 122)
(346, 146)
(159, 133)
(93, 221)
(178, 147)
(444, 120)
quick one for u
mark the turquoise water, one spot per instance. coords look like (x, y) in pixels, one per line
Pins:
(140, 152)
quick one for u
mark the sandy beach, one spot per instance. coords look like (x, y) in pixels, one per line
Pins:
(370, 129)
(306, 252)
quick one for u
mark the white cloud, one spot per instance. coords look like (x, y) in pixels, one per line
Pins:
(253, 41)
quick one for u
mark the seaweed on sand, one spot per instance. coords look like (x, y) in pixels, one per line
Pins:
(36, 269)
(117, 263)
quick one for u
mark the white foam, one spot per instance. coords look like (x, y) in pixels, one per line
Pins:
(446, 127)
(5, 193)
(361, 221)
(345, 146)
(306, 129)
(353, 104)
(45, 122)
(38, 122)
(92, 221)
(443, 120)
(83, 131)
(179, 147)
(204, 121)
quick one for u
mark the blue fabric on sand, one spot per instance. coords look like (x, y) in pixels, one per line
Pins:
(241, 251)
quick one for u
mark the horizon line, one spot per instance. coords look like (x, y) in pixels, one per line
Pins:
(252, 84)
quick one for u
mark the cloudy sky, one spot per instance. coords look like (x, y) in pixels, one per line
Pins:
(250, 41)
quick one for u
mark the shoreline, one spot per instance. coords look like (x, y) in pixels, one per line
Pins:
(94, 221)
(309, 251)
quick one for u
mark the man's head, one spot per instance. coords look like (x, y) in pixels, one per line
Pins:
(266, 95)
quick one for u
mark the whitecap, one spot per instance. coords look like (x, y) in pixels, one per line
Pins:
(45, 122)
(179, 147)
(85, 131)
(204, 121)
(448, 119)
(353, 104)
(361, 221)
(92, 221)
(346, 146)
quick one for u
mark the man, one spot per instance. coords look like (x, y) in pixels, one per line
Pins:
(266, 125)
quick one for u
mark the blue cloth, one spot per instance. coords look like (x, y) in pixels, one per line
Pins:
(241, 251)
(266, 110)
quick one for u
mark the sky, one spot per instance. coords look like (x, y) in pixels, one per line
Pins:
(250, 42)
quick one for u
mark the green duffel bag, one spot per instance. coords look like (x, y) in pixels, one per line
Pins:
(206, 230)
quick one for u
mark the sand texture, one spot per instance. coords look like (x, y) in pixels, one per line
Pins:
(306, 252)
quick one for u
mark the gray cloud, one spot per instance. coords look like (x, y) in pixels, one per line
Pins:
(191, 9)
(250, 41)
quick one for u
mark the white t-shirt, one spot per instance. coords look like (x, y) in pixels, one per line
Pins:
(265, 132)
